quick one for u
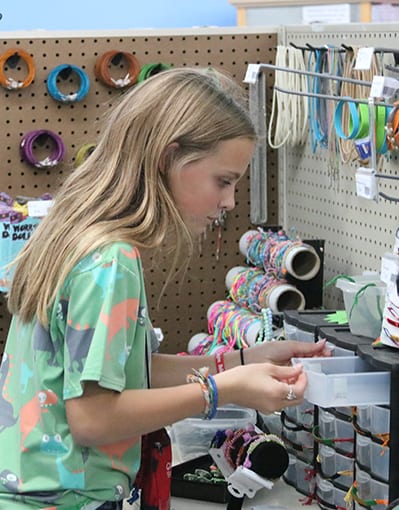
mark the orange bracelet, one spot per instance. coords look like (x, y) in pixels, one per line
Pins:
(102, 69)
(9, 83)
(392, 127)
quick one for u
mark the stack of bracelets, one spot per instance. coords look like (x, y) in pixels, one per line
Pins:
(265, 454)
(209, 390)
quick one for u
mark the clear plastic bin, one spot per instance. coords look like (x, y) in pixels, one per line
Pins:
(192, 437)
(344, 381)
(364, 300)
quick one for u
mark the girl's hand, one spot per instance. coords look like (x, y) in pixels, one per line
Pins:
(262, 386)
(281, 351)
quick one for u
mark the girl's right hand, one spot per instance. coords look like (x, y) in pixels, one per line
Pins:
(262, 386)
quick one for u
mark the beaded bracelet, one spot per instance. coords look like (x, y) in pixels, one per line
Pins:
(262, 438)
(209, 390)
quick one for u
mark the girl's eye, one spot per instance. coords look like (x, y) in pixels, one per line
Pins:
(224, 183)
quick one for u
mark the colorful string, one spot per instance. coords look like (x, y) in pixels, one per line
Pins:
(268, 250)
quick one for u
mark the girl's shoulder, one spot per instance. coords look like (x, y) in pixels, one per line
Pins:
(121, 253)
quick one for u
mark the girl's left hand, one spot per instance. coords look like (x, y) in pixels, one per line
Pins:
(280, 352)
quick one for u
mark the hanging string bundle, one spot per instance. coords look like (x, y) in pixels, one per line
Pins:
(346, 146)
(289, 115)
(274, 250)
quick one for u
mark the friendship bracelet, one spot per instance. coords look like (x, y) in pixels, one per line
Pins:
(219, 361)
(242, 356)
(209, 390)
(8, 82)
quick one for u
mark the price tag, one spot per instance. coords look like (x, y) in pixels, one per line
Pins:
(389, 268)
(252, 73)
(366, 183)
(364, 59)
(39, 208)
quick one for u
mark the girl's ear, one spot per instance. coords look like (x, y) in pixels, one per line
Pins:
(167, 155)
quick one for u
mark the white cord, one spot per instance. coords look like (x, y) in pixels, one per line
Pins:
(289, 111)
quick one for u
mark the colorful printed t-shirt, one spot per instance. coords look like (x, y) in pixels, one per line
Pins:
(98, 329)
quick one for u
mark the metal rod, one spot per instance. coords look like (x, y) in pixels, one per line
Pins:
(384, 176)
(318, 75)
(327, 96)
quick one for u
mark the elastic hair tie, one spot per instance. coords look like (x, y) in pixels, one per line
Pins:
(149, 70)
(84, 152)
(64, 71)
(114, 57)
(27, 148)
(11, 58)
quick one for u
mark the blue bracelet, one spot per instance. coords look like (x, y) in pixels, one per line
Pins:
(54, 91)
(354, 121)
(214, 398)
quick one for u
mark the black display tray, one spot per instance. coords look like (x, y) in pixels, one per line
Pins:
(188, 489)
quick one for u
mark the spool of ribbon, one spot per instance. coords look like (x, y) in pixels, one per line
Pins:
(10, 58)
(27, 148)
(102, 69)
(64, 71)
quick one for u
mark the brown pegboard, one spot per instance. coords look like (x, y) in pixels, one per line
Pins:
(182, 312)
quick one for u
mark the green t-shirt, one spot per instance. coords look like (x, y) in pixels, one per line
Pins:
(98, 330)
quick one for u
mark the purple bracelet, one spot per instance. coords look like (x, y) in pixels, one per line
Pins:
(27, 148)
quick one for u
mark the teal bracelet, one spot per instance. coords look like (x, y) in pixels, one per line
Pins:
(354, 121)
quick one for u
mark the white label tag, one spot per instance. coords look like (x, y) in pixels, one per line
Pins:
(364, 59)
(340, 387)
(366, 183)
(384, 86)
(252, 73)
(389, 268)
(39, 208)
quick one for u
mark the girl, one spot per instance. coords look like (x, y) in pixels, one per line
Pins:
(74, 381)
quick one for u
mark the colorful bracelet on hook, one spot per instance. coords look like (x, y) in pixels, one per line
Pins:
(114, 57)
(27, 148)
(64, 70)
(149, 70)
(6, 58)
(83, 153)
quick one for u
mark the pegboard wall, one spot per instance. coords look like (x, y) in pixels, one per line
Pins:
(357, 231)
(182, 311)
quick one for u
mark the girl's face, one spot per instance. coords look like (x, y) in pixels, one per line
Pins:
(204, 188)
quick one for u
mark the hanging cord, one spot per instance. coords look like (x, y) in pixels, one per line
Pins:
(334, 66)
(288, 119)
(356, 91)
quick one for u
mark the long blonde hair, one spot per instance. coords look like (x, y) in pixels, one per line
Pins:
(118, 193)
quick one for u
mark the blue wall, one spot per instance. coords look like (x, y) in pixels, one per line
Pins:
(124, 14)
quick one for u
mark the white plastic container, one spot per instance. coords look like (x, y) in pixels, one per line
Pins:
(192, 437)
(364, 300)
(344, 381)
